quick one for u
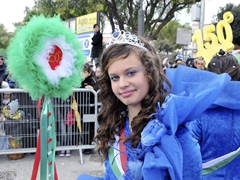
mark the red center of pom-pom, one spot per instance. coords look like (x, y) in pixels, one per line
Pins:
(55, 57)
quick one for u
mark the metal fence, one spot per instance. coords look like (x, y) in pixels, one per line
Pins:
(19, 136)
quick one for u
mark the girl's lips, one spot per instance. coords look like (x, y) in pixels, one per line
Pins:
(127, 94)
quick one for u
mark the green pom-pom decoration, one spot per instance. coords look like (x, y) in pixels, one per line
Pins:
(23, 58)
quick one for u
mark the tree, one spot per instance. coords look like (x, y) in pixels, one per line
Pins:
(164, 46)
(169, 31)
(67, 9)
(120, 13)
(5, 37)
(158, 13)
(235, 25)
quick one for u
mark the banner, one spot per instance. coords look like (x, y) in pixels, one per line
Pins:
(85, 23)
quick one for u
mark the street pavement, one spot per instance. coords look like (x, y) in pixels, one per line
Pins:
(68, 168)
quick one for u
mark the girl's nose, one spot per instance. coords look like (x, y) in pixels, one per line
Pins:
(123, 82)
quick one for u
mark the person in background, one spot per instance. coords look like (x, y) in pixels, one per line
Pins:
(97, 46)
(11, 112)
(165, 63)
(98, 72)
(64, 126)
(225, 64)
(92, 67)
(4, 75)
(189, 62)
(7, 96)
(178, 60)
(3, 68)
(217, 130)
(66, 130)
(89, 82)
(204, 64)
(12, 126)
(3, 138)
(198, 63)
(88, 98)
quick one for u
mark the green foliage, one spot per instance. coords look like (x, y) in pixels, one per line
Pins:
(164, 46)
(5, 37)
(168, 36)
(235, 25)
(67, 9)
(3, 52)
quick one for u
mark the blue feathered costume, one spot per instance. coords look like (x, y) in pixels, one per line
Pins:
(167, 149)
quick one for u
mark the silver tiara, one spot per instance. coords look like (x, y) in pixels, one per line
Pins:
(122, 37)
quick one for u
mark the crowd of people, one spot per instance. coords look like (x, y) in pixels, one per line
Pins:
(198, 63)
(228, 63)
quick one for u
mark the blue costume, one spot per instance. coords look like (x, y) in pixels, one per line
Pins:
(167, 149)
(218, 132)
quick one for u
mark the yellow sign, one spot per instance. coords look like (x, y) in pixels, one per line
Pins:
(85, 23)
(211, 42)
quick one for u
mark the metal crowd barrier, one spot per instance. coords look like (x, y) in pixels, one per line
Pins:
(23, 132)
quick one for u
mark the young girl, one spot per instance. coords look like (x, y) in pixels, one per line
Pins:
(142, 133)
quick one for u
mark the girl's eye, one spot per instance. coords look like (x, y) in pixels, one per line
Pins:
(114, 78)
(131, 73)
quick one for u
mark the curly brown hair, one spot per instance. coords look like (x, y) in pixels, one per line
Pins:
(111, 117)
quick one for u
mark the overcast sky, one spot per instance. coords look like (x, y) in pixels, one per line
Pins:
(212, 7)
(13, 10)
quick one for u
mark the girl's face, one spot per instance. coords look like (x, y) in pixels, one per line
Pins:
(1, 61)
(128, 80)
(6, 96)
(8, 110)
(86, 74)
(98, 72)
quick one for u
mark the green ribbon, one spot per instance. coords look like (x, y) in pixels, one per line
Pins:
(47, 140)
(217, 166)
(113, 163)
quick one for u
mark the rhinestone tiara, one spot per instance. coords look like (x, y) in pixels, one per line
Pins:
(124, 37)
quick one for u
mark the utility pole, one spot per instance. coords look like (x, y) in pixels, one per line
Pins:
(202, 15)
(141, 20)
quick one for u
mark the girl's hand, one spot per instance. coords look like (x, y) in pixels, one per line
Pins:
(165, 60)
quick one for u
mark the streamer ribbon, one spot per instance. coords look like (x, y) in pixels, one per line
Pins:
(46, 147)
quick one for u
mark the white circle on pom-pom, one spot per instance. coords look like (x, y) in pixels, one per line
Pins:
(66, 67)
